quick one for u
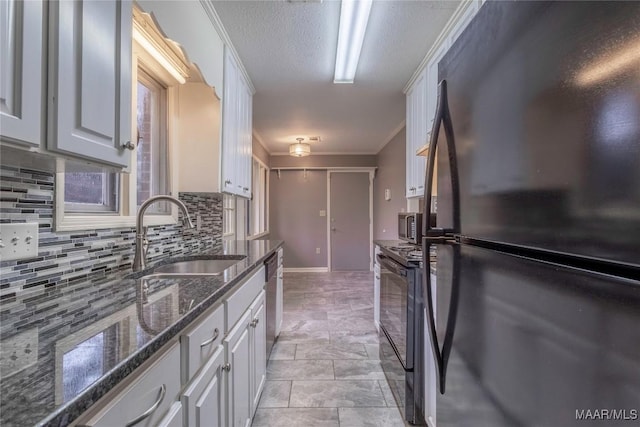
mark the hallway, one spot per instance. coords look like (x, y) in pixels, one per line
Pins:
(324, 369)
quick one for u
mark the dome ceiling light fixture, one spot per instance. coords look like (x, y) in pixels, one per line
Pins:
(299, 149)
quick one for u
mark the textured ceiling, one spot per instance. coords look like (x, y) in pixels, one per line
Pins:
(288, 49)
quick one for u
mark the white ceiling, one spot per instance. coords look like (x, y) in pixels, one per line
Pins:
(288, 50)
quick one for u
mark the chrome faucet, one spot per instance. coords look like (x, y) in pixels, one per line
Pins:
(142, 244)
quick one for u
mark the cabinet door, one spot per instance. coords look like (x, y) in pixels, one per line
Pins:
(90, 80)
(229, 125)
(204, 399)
(376, 296)
(237, 347)
(419, 162)
(409, 141)
(258, 350)
(279, 298)
(21, 71)
(248, 110)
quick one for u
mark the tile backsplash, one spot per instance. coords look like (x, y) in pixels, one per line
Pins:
(27, 195)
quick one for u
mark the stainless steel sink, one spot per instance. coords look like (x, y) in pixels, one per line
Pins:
(199, 267)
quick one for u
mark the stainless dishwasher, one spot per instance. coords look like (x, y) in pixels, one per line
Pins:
(271, 279)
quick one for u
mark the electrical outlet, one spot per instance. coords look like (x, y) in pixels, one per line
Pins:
(18, 241)
(318, 251)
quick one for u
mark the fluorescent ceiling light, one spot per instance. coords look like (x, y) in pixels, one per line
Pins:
(354, 15)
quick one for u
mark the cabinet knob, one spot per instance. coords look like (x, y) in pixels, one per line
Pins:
(227, 182)
(128, 146)
(245, 188)
(226, 367)
(255, 322)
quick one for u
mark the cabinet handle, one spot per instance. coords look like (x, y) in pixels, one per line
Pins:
(420, 186)
(255, 322)
(245, 188)
(377, 277)
(128, 146)
(148, 412)
(216, 332)
(227, 182)
(226, 367)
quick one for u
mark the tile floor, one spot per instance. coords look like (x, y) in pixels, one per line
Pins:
(324, 369)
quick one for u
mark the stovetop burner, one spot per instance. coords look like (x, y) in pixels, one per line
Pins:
(408, 252)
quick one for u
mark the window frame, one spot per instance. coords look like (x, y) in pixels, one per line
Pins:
(127, 196)
(261, 193)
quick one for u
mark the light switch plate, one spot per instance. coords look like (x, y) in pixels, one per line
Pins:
(18, 241)
(323, 213)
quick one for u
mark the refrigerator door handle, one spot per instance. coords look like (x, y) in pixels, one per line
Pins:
(443, 117)
(441, 356)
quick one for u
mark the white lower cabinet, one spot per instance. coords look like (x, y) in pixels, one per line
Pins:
(145, 400)
(237, 346)
(213, 378)
(204, 399)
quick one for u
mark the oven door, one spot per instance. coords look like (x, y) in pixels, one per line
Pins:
(395, 309)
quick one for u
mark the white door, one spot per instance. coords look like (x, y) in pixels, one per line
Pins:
(21, 70)
(259, 349)
(90, 96)
(350, 221)
(237, 346)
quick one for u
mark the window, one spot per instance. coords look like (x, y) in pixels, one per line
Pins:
(152, 149)
(258, 224)
(228, 217)
(90, 189)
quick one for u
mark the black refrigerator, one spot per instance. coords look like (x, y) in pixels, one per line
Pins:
(534, 310)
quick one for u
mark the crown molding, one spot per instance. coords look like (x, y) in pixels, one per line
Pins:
(392, 135)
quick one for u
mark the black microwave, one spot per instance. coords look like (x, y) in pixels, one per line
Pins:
(410, 227)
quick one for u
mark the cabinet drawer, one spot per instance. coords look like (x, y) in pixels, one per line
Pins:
(201, 341)
(142, 395)
(238, 303)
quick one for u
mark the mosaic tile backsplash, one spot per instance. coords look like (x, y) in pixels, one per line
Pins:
(65, 258)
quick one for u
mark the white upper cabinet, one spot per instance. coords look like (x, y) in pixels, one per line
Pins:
(89, 103)
(237, 113)
(22, 71)
(416, 129)
(422, 98)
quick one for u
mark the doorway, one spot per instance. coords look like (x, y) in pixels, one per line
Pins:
(349, 220)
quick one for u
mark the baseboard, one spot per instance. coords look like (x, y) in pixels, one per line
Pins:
(306, 270)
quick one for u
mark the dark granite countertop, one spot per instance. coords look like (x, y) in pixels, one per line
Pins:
(65, 347)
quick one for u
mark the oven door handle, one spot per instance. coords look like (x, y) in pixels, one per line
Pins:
(391, 265)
